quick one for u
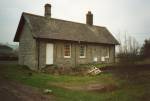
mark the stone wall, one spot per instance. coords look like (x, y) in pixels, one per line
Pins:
(27, 49)
(92, 50)
(42, 54)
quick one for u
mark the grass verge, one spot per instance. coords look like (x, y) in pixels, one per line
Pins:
(130, 87)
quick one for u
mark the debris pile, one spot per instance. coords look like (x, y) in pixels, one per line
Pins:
(94, 71)
(47, 91)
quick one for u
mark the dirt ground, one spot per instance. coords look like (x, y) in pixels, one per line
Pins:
(13, 91)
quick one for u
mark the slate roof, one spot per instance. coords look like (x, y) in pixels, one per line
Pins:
(51, 28)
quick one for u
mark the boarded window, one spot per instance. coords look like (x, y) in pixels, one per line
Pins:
(108, 50)
(82, 51)
(67, 50)
(105, 53)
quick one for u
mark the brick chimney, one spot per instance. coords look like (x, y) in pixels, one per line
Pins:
(48, 10)
(89, 18)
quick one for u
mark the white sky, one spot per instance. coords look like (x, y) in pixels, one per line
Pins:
(119, 16)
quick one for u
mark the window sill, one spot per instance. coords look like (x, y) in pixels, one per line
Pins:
(82, 57)
(67, 56)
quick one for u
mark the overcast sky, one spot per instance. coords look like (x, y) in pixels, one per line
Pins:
(119, 16)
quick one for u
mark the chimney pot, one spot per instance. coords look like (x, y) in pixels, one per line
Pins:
(89, 18)
(48, 10)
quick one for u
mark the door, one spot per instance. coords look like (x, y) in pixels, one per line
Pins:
(49, 54)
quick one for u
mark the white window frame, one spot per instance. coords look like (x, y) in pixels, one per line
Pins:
(84, 51)
(64, 51)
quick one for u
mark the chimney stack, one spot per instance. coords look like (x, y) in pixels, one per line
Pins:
(48, 10)
(89, 18)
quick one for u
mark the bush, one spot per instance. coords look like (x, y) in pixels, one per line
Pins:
(128, 57)
(145, 50)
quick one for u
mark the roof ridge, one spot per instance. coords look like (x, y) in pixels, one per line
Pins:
(32, 14)
(62, 20)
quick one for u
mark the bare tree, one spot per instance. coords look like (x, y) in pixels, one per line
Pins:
(129, 47)
(128, 44)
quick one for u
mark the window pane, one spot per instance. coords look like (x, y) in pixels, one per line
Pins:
(82, 50)
(67, 50)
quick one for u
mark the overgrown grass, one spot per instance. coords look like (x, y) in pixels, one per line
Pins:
(134, 87)
(99, 65)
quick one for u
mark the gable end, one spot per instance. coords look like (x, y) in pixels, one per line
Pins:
(19, 29)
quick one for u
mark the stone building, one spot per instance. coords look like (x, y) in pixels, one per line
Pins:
(44, 40)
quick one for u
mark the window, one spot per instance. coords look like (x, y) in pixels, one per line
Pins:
(107, 56)
(82, 51)
(105, 53)
(67, 51)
